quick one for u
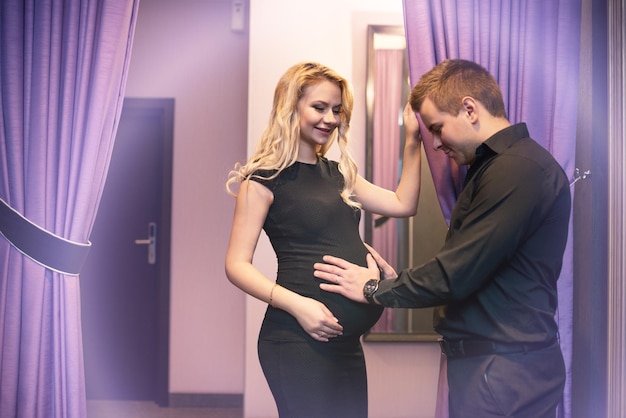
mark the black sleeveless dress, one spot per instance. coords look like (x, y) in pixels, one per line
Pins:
(307, 220)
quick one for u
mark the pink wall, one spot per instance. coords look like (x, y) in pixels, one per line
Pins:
(186, 49)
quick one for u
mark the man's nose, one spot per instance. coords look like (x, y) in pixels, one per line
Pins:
(437, 144)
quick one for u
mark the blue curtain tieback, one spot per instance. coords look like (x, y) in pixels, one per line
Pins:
(48, 249)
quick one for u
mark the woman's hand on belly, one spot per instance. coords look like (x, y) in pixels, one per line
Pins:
(316, 319)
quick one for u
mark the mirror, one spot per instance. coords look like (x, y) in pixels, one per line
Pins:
(402, 242)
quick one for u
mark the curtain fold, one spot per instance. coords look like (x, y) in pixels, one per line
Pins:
(532, 48)
(63, 68)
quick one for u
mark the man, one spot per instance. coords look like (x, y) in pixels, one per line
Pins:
(494, 280)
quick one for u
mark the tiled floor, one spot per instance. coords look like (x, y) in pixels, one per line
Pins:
(136, 409)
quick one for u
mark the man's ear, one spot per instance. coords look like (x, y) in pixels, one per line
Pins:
(470, 107)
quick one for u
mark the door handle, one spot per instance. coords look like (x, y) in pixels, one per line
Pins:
(150, 242)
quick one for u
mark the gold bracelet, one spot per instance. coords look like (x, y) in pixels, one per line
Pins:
(272, 293)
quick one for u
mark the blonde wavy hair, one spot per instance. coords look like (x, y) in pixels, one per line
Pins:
(278, 147)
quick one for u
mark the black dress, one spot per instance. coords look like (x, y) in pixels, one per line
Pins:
(307, 220)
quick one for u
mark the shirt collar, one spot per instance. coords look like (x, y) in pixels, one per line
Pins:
(496, 144)
(502, 140)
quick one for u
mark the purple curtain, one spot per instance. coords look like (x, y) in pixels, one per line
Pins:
(62, 77)
(386, 152)
(532, 48)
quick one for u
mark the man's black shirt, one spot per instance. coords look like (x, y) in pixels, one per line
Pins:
(495, 277)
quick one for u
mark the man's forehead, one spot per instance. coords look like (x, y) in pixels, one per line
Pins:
(429, 112)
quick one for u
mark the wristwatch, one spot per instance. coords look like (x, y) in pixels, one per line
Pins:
(370, 287)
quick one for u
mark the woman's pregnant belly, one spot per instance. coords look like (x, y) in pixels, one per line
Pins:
(355, 317)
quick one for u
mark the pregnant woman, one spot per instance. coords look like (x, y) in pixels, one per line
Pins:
(309, 344)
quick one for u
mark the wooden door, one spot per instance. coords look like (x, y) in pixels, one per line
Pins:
(125, 280)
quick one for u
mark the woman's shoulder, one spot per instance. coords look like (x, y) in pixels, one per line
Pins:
(264, 176)
(274, 177)
(263, 172)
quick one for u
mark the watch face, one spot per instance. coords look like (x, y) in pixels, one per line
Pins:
(370, 287)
